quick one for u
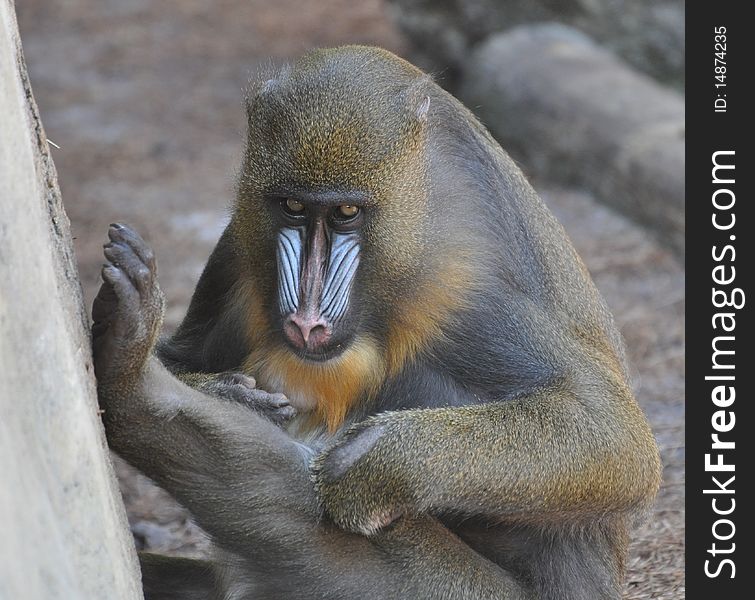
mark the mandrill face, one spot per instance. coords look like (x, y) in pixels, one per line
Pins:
(331, 202)
(317, 255)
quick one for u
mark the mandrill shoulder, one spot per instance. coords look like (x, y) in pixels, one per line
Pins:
(509, 343)
(211, 337)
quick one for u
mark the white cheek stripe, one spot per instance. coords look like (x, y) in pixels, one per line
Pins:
(344, 260)
(288, 255)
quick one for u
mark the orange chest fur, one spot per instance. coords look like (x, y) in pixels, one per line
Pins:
(328, 391)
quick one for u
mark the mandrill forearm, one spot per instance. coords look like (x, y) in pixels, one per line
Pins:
(548, 456)
(204, 450)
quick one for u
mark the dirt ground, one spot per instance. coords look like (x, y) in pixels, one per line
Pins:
(145, 101)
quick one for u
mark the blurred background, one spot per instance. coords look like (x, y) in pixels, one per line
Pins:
(144, 100)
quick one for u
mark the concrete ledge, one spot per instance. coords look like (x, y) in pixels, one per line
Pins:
(648, 34)
(571, 111)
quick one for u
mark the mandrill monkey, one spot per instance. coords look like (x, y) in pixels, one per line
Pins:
(440, 406)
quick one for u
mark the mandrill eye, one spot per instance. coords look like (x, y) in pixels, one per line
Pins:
(346, 217)
(292, 206)
(348, 211)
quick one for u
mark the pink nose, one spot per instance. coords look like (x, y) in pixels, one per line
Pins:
(306, 332)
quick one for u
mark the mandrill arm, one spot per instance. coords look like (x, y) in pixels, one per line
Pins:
(553, 455)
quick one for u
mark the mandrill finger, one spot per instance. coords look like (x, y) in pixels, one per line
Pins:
(122, 286)
(118, 232)
(124, 257)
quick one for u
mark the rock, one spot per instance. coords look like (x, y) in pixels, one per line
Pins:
(64, 531)
(649, 34)
(572, 112)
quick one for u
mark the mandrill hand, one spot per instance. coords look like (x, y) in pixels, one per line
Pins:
(127, 311)
(362, 478)
(243, 389)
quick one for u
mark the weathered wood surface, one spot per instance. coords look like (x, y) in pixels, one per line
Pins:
(64, 530)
